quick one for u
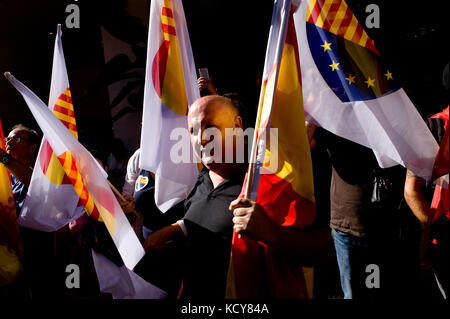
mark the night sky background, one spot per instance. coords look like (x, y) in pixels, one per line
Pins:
(227, 37)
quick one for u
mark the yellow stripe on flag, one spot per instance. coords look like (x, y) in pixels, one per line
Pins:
(72, 171)
(64, 104)
(294, 157)
(64, 117)
(340, 14)
(173, 90)
(5, 182)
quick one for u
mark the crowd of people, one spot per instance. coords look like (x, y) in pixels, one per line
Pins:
(377, 243)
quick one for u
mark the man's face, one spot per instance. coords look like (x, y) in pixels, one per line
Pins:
(17, 145)
(207, 121)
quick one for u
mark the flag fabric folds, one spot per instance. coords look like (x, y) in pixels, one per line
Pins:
(51, 201)
(170, 88)
(87, 178)
(349, 91)
(283, 182)
(121, 282)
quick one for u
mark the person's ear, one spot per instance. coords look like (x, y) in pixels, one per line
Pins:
(238, 122)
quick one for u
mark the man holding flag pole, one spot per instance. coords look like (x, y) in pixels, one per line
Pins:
(207, 227)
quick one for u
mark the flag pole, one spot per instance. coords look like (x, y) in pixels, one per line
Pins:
(278, 55)
(116, 191)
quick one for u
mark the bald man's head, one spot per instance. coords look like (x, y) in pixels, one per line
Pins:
(208, 118)
(214, 103)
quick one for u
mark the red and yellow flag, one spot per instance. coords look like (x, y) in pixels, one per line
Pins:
(170, 88)
(84, 172)
(283, 179)
(167, 72)
(52, 202)
(6, 195)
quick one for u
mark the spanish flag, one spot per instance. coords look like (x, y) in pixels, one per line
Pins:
(282, 180)
(88, 180)
(170, 88)
(51, 201)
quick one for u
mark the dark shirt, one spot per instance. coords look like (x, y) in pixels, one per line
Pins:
(144, 198)
(351, 176)
(353, 162)
(210, 228)
(19, 191)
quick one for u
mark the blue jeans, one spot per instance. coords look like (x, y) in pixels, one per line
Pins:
(351, 253)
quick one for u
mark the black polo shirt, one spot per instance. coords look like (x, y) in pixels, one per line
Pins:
(210, 228)
(144, 198)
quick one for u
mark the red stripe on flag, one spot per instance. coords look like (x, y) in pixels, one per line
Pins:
(95, 213)
(63, 110)
(70, 126)
(345, 22)
(283, 204)
(66, 98)
(169, 29)
(358, 34)
(159, 67)
(326, 22)
(332, 12)
(45, 156)
(167, 12)
(315, 13)
(44, 160)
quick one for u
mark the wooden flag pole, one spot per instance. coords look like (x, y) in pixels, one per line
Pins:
(114, 189)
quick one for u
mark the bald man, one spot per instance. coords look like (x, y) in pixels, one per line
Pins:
(209, 221)
(207, 226)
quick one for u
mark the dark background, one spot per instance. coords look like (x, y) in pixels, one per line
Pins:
(227, 37)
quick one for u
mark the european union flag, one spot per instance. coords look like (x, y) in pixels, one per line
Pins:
(345, 56)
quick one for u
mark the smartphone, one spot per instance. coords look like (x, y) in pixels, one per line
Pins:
(203, 72)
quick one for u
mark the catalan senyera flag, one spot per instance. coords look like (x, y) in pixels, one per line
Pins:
(51, 201)
(88, 180)
(282, 182)
(349, 91)
(170, 88)
(6, 195)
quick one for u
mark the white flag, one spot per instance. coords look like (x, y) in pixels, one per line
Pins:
(87, 178)
(349, 91)
(121, 282)
(51, 201)
(170, 88)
